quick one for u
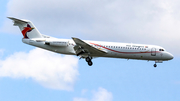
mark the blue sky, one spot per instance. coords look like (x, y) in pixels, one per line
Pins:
(108, 79)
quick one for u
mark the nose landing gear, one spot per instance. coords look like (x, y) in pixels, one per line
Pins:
(155, 65)
(157, 61)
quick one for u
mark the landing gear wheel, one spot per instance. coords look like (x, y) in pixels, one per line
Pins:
(88, 59)
(90, 63)
(155, 65)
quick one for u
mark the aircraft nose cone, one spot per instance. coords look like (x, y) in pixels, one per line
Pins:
(170, 56)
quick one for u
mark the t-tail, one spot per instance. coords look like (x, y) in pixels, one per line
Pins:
(27, 28)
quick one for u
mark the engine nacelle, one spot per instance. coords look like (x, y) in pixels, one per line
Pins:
(57, 43)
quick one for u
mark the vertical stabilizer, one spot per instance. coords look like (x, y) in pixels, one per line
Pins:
(27, 28)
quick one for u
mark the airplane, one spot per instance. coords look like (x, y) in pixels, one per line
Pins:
(87, 49)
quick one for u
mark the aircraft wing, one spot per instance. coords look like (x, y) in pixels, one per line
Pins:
(84, 47)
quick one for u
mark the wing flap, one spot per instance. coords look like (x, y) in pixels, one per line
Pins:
(86, 47)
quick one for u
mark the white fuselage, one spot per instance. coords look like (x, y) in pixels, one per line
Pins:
(113, 49)
(90, 49)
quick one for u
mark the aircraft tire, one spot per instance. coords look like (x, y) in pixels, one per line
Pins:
(90, 63)
(88, 59)
(155, 65)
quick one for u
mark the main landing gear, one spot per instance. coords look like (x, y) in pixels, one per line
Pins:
(88, 60)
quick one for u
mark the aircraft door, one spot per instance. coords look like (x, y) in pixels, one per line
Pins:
(153, 52)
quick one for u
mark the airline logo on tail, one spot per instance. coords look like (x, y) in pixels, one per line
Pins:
(25, 30)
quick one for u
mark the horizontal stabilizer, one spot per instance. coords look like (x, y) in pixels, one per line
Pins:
(18, 20)
(27, 28)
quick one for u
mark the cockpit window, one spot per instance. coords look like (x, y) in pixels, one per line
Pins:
(161, 49)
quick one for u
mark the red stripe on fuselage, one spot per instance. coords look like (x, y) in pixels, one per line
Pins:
(122, 52)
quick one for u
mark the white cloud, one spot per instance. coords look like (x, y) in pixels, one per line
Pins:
(100, 95)
(48, 69)
(151, 21)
